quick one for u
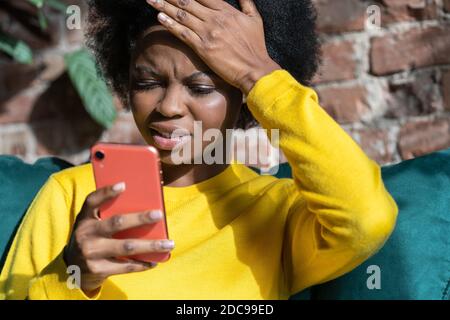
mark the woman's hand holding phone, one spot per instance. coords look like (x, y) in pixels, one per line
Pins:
(93, 248)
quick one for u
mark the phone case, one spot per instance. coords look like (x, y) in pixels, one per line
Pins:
(139, 167)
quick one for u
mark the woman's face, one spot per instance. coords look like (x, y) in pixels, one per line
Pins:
(171, 88)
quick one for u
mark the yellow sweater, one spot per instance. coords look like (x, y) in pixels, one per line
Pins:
(238, 235)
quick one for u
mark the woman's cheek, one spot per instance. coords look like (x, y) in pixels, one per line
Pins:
(142, 104)
(211, 111)
(141, 107)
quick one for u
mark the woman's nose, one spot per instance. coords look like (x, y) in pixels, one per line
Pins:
(171, 104)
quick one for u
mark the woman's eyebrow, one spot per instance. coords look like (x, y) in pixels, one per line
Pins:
(146, 70)
(200, 74)
(149, 71)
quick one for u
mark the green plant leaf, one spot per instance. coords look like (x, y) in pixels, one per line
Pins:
(42, 20)
(57, 5)
(17, 49)
(94, 92)
(37, 3)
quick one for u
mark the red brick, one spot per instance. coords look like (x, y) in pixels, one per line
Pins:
(338, 62)
(420, 138)
(412, 49)
(420, 96)
(447, 5)
(375, 142)
(446, 89)
(408, 10)
(345, 105)
(340, 16)
(15, 77)
(17, 109)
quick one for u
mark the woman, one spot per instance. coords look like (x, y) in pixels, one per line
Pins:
(238, 235)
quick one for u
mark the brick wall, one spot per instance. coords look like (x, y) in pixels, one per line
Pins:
(388, 87)
(40, 112)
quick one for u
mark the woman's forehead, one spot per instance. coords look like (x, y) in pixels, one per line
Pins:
(157, 37)
(157, 45)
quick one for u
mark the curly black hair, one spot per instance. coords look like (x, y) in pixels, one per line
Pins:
(289, 25)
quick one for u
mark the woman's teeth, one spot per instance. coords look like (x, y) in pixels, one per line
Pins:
(170, 135)
(165, 135)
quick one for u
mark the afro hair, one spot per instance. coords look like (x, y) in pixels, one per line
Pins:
(289, 25)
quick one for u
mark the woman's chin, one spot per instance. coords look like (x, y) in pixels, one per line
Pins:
(167, 158)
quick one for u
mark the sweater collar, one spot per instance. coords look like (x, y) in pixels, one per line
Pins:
(230, 177)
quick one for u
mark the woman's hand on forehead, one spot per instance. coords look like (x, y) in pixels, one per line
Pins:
(229, 41)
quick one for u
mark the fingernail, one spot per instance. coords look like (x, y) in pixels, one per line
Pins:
(155, 214)
(162, 17)
(151, 1)
(168, 244)
(119, 187)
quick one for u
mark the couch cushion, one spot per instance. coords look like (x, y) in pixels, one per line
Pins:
(413, 264)
(415, 261)
(19, 184)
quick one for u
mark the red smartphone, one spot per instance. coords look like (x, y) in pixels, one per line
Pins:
(140, 168)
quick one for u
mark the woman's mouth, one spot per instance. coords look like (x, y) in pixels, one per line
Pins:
(166, 140)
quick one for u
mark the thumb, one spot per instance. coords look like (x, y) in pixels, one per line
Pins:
(97, 198)
(249, 8)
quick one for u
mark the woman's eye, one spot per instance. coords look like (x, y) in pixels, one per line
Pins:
(147, 85)
(196, 90)
(150, 85)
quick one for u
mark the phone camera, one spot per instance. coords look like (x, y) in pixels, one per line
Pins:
(99, 155)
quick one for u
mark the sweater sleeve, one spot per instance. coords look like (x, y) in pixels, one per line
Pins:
(34, 267)
(340, 212)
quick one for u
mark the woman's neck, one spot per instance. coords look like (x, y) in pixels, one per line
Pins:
(188, 174)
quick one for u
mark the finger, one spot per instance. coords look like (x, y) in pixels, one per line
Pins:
(114, 248)
(95, 199)
(118, 223)
(103, 248)
(177, 14)
(212, 4)
(109, 267)
(193, 7)
(249, 8)
(183, 33)
(120, 267)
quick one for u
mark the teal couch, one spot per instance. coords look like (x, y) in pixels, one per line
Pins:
(413, 264)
